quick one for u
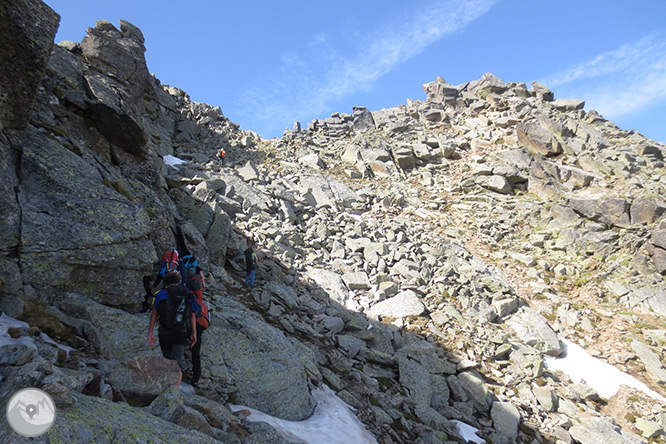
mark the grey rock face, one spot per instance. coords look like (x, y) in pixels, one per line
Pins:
(23, 60)
(356, 281)
(330, 281)
(113, 333)
(16, 353)
(416, 380)
(610, 211)
(171, 407)
(118, 98)
(568, 104)
(258, 363)
(86, 232)
(495, 183)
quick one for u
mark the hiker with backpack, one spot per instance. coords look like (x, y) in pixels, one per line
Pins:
(168, 264)
(192, 275)
(175, 311)
(221, 154)
(250, 265)
(195, 282)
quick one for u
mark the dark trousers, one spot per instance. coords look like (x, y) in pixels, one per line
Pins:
(173, 346)
(196, 356)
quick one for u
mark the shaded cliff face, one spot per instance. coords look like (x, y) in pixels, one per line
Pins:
(87, 204)
(423, 260)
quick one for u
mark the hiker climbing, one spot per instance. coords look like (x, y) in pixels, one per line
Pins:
(196, 283)
(192, 275)
(174, 310)
(168, 264)
(250, 265)
(221, 155)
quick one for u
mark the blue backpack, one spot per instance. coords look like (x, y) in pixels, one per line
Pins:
(190, 275)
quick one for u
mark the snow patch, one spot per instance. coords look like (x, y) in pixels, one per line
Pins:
(600, 376)
(172, 161)
(46, 339)
(468, 433)
(332, 422)
(7, 322)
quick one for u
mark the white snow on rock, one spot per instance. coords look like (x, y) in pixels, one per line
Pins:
(468, 433)
(45, 338)
(7, 322)
(172, 161)
(332, 422)
(600, 376)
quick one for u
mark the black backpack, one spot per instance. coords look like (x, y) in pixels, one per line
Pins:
(250, 260)
(175, 311)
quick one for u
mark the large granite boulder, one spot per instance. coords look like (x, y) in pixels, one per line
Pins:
(439, 91)
(405, 303)
(646, 211)
(487, 84)
(141, 380)
(609, 211)
(539, 136)
(113, 333)
(363, 120)
(261, 367)
(533, 329)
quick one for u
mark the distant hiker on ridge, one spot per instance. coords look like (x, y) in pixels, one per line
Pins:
(221, 154)
(250, 265)
(173, 309)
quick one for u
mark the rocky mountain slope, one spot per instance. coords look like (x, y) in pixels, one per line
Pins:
(423, 261)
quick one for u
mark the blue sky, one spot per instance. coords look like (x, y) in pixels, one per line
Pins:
(268, 63)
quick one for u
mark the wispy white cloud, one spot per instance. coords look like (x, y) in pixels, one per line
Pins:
(307, 83)
(617, 83)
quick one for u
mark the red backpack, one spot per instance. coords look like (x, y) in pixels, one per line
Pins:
(169, 262)
(203, 315)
